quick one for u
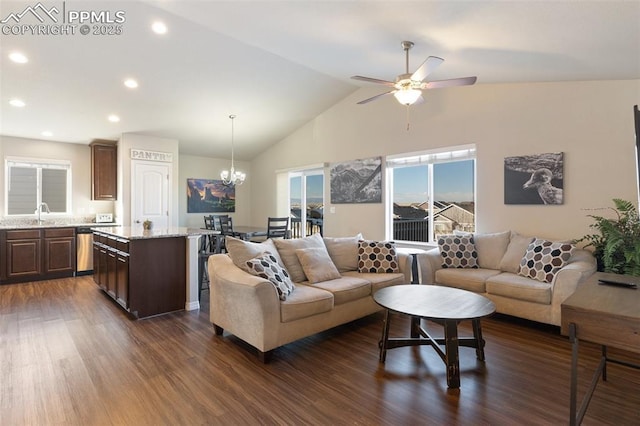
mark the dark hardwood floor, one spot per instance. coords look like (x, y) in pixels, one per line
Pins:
(69, 355)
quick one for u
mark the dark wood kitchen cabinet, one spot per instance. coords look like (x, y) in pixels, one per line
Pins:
(104, 178)
(122, 279)
(37, 254)
(111, 263)
(23, 255)
(59, 252)
(146, 276)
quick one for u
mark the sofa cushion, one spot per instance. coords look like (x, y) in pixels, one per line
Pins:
(515, 286)
(267, 267)
(306, 301)
(378, 281)
(287, 250)
(378, 257)
(344, 252)
(240, 251)
(543, 259)
(515, 250)
(346, 289)
(458, 251)
(317, 264)
(491, 248)
(466, 279)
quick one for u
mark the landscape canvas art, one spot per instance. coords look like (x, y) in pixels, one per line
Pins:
(534, 179)
(210, 196)
(357, 181)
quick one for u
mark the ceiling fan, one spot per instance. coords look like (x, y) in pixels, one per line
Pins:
(407, 88)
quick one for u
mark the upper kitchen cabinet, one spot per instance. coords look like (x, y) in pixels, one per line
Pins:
(104, 170)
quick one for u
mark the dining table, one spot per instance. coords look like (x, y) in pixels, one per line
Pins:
(245, 232)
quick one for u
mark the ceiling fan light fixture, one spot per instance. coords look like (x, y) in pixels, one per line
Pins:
(407, 96)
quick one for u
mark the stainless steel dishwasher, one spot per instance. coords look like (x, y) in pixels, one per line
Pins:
(84, 251)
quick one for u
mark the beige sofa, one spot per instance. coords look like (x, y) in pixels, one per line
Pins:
(499, 276)
(250, 307)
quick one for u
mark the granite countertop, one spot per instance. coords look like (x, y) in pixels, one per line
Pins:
(53, 224)
(130, 233)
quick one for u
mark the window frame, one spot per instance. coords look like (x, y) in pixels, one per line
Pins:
(303, 174)
(39, 164)
(428, 158)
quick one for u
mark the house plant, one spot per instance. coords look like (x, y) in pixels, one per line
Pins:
(617, 245)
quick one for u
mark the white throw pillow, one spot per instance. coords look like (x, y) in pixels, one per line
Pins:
(491, 248)
(240, 251)
(287, 250)
(343, 252)
(317, 265)
(518, 245)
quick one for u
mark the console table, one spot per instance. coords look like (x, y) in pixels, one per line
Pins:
(602, 314)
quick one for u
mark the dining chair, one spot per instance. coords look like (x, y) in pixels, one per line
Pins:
(226, 225)
(207, 248)
(278, 227)
(208, 222)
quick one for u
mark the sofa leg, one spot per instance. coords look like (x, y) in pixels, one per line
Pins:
(265, 357)
(218, 330)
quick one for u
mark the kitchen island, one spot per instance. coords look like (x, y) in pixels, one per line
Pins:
(148, 272)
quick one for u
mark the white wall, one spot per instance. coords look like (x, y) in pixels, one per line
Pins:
(210, 168)
(591, 122)
(80, 157)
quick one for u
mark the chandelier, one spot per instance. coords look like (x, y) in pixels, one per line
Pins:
(232, 177)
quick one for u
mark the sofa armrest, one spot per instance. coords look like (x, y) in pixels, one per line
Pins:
(429, 262)
(404, 262)
(569, 277)
(246, 305)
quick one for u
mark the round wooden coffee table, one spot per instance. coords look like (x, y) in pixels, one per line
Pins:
(443, 305)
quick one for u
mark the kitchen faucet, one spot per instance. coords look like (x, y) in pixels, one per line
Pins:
(39, 211)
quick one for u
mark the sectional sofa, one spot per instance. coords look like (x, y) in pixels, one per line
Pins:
(331, 282)
(524, 276)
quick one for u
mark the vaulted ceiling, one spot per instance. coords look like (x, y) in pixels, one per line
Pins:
(278, 64)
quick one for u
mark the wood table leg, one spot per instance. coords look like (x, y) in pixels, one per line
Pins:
(385, 336)
(574, 375)
(477, 335)
(451, 352)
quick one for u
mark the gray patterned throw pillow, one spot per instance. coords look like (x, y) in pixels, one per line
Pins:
(458, 251)
(267, 267)
(543, 259)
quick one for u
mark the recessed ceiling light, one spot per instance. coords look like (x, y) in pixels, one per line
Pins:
(17, 103)
(114, 118)
(47, 134)
(131, 83)
(159, 27)
(18, 58)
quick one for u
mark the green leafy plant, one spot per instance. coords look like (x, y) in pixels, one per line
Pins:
(617, 246)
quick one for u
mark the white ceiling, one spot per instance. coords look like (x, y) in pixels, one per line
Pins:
(278, 64)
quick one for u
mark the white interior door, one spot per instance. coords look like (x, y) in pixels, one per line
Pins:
(150, 192)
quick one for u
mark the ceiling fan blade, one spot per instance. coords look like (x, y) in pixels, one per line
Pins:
(427, 67)
(373, 80)
(373, 98)
(464, 81)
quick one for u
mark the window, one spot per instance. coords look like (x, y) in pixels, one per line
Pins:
(306, 202)
(438, 185)
(31, 182)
